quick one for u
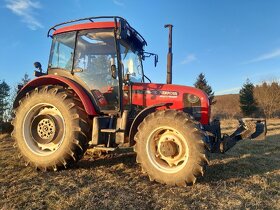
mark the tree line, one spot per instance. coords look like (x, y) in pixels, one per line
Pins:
(262, 100)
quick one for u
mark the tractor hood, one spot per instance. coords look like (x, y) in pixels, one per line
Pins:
(188, 99)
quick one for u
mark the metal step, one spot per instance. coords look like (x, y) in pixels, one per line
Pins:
(108, 130)
(101, 148)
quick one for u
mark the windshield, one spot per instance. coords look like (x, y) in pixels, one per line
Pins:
(132, 63)
(62, 51)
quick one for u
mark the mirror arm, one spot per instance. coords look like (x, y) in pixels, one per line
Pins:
(148, 54)
(147, 78)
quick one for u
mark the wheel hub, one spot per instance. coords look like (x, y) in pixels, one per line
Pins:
(44, 128)
(170, 149)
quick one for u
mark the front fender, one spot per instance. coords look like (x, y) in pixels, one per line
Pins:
(140, 117)
(58, 80)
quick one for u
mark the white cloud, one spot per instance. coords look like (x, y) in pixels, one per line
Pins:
(118, 3)
(228, 91)
(267, 56)
(189, 58)
(25, 9)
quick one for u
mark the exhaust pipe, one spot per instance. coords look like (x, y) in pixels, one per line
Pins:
(169, 55)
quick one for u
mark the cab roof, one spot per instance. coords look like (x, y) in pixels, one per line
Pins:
(83, 26)
(95, 23)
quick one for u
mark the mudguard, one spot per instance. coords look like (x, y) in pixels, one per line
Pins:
(58, 80)
(140, 117)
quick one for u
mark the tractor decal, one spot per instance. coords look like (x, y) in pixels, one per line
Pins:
(160, 93)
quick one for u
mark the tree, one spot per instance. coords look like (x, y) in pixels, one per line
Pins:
(4, 101)
(25, 79)
(268, 97)
(201, 83)
(247, 101)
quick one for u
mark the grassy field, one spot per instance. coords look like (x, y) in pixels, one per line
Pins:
(247, 177)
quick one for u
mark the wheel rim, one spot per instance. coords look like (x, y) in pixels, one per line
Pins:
(43, 129)
(167, 149)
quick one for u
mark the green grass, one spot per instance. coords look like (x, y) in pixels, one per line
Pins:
(247, 177)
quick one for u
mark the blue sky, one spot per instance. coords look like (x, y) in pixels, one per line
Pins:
(228, 40)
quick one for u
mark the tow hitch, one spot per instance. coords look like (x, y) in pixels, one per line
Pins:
(249, 128)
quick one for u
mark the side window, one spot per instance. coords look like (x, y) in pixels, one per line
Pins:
(132, 64)
(62, 51)
(94, 56)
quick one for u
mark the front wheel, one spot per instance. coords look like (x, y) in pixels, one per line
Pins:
(170, 148)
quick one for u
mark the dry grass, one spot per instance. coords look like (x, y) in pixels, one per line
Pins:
(247, 177)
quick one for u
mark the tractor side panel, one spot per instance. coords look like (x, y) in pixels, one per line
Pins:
(58, 80)
(149, 94)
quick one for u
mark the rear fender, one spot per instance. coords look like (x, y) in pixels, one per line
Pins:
(58, 80)
(140, 117)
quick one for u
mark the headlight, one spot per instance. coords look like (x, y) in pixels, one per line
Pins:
(193, 98)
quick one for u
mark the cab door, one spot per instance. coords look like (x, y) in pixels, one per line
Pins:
(95, 54)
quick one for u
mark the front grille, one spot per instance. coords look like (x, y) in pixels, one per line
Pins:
(193, 109)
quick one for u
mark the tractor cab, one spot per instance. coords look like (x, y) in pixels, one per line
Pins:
(100, 56)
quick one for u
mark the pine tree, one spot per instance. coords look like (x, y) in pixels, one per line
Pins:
(25, 79)
(247, 101)
(4, 100)
(14, 91)
(201, 83)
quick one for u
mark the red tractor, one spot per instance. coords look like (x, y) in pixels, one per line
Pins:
(95, 94)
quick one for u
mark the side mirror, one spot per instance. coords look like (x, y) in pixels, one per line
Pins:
(114, 71)
(126, 78)
(38, 66)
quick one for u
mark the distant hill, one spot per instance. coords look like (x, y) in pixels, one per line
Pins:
(226, 106)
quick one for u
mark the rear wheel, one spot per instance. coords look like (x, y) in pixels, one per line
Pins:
(51, 128)
(170, 148)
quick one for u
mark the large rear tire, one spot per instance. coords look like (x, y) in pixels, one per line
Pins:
(51, 128)
(170, 148)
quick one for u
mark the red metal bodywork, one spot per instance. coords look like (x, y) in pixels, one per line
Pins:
(148, 94)
(59, 80)
(143, 94)
(84, 26)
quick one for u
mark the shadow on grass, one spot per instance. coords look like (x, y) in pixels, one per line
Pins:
(247, 159)
(128, 159)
